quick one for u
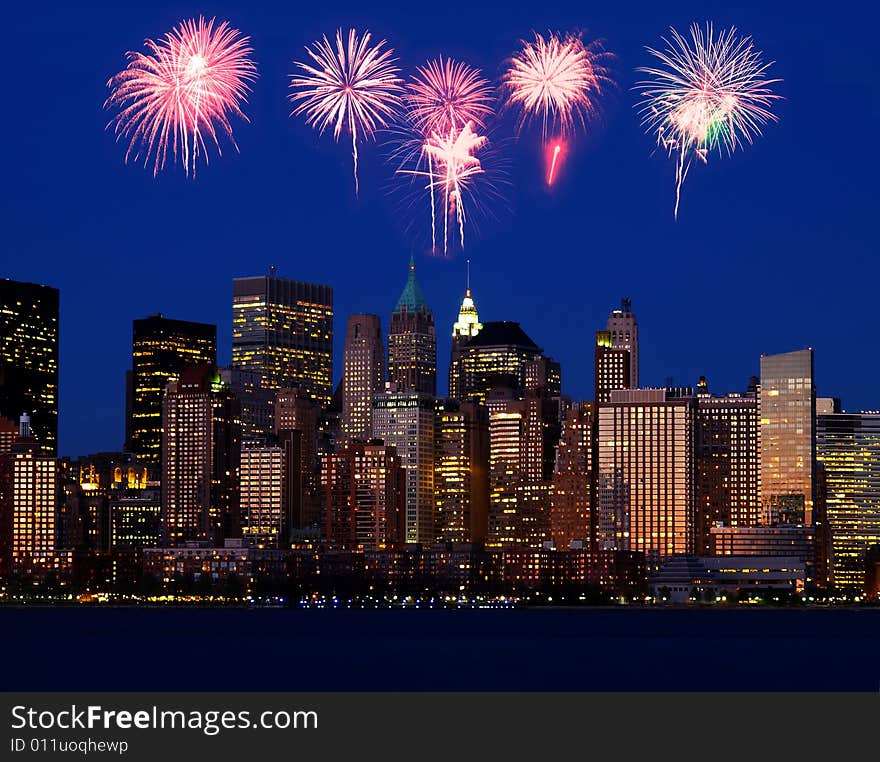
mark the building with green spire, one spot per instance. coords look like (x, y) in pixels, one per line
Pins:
(412, 341)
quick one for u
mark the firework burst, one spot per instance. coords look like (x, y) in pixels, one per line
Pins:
(451, 169)
(353, 86)
(444, 95)
(707, 93)
(557, 80)
(182, 93)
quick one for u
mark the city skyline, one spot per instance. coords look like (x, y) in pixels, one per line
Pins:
(224, 362)
(776, 214)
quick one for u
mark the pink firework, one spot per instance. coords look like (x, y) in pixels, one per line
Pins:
(354, 86)
(450, 162)
(444, 95)
(182, 93)
(557, 80)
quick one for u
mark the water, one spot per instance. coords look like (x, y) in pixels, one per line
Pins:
(104, 648)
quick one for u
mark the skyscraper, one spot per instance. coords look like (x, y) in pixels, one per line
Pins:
(406, 420)
(466, 327)
(461, 482)
(283, 329)
(28, 506)
(256, 402)
(161, 349)
(612, 367)
(727, 463)
(624, 332)
(646, 472)
(848, 447)
(295, 411)
(412, 341)
(363, 374)
(787, 410)
(497, 356)
(571, 490)
(363, 496)
(29, 358)
(201, 453)
(265, 511)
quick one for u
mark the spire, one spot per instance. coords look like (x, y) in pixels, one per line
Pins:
(412, 297)
(468, 324)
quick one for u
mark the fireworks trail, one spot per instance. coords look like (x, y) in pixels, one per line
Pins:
(452, 165)
(558, 80)
(181, 92)
(353, 86)
(709, 92)
(444, 95)
(551, 175)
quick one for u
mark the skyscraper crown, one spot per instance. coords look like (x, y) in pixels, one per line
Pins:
(411, 298)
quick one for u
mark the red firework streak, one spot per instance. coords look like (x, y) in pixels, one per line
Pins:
(555, 153)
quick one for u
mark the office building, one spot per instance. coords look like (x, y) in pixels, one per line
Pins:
(787, 436)
(29, 358)
(496, 357)
(462, 474)
(28, 506)
(611, 366)
(624, 330)
(283, 330)
(848, 448)
(465, 328)
(646, 471)
(201, 453)
(363, 496)
(406, 421)
(571, 493)
(412, 341)
(727, 463)
(295, 411)
(256, 402)
(161, 349)
(265, 518)
(363, 374)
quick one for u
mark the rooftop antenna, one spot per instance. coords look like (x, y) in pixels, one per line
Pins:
(468, 277)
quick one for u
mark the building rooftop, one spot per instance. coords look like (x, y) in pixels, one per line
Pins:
(502, 333)
(412, 297)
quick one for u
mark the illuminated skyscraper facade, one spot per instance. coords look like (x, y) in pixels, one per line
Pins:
(465, 328)
(571, 490)
(406, 421)
(612, 367)
(283, 330)
(201, 454)
(624, 330)
(28, 506)
(29, 358)
(787, 411)
(161, 349)
(496, 357)
(362, 375)
(296, 412)
(263, 516)
(646, 472)
(727, 464)
(848, 447)
(462, 474)
(363, 497)
(412, 341)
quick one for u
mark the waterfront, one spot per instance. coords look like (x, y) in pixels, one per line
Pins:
(577, 649)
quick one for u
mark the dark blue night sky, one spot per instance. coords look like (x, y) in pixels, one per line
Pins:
(775, 248)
